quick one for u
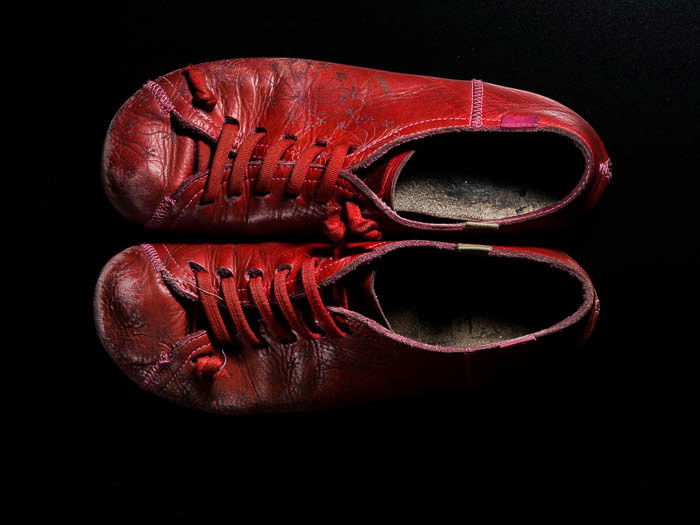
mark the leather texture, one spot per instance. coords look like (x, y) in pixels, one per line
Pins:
(148, 313)
(151, 174)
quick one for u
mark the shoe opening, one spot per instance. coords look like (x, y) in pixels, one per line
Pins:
(458, 299)
(486, 176)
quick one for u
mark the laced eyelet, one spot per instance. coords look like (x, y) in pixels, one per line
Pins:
(223, 273)
(268, 307)
(196, 267)
(223, 185)
(254, 272)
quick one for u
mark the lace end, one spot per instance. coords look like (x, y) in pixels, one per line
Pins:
(202, 95)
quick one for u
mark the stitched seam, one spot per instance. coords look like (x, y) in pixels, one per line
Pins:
(166, 105)
(399, 130)
(177, 372)
(153, 257)
(155, 369)
(179, 215)
(161, 213)
(476, 118)
(367, 161)
(159, 267)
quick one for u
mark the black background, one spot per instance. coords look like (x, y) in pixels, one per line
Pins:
(594, 426)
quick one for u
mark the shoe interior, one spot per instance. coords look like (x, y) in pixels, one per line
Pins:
(486, 176)
(460, 299)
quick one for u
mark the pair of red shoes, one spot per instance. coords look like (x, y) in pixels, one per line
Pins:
(285, 147)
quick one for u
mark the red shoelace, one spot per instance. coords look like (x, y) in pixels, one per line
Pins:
(295, 328)
(263, 182)
(343, 216)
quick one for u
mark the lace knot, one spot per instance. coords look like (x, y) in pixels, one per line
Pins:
(335, 228)
(211, 365)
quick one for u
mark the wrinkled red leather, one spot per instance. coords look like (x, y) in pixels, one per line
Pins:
(144, 306)
(149, 154)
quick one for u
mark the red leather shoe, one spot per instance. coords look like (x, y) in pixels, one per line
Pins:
(280, 327)
(270, 146)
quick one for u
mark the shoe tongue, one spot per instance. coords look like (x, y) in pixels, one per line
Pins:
(356, 292)
(382, 177)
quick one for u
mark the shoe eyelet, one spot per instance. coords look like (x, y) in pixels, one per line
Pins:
(288, 136)
(260, 129)
(223, 273)
(253, 272)
(196, 267)
(322, 143)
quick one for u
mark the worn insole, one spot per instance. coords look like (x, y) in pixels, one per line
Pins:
(461, 329)
(486, 176)
(459, 299)
(463, 197)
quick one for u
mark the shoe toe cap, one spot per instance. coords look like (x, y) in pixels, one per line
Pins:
(136, 315)
(136, 157)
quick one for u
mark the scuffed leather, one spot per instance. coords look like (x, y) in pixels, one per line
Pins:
(149, 155)
(136, 160)
(146, 315)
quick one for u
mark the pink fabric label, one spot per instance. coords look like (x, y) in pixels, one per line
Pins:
(513, 122)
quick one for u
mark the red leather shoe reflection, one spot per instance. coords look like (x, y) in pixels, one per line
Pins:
(273, 327)
(288, 146)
